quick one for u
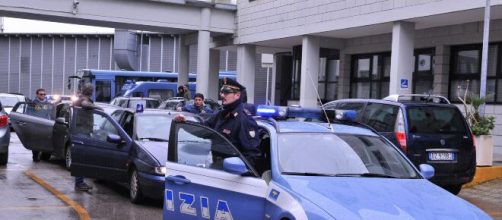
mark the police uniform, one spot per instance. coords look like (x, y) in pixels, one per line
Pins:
(237, 124)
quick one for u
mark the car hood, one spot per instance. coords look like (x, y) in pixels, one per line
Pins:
(157, 149)
(379, 198)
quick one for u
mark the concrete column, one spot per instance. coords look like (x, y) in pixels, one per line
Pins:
(183, 58)
(309, 71)
(204, 38)
(214, 72)
(246, 62)
(441, 70)
(344, 77)
(401, 66)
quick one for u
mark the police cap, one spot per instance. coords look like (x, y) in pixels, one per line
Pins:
(231, 86)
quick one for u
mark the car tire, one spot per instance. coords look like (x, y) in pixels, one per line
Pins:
(135, 194)
(4, 158)
(45, 156)
(67, 157)
(454, 189)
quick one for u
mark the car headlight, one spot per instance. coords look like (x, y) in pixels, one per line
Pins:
(160, 170)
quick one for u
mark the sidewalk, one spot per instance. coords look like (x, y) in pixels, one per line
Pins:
(488, 173)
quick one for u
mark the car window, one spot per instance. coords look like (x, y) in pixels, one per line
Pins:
(381, 117)
(152, 104)
(63, 112)
(40, 110)
(435, 120)
(128, 123)
(201, 147)
(116, 115)
(160, 93)
(94, 125)
(356, 106)
(153, 127)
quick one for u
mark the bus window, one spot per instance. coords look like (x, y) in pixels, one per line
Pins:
(162, 94)
(103, 91)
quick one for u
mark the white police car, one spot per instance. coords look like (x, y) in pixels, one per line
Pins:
(309, 170)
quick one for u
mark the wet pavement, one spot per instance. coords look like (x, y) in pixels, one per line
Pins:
(25, 193)
(487, 196)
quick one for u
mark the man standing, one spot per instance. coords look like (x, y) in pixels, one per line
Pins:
(186, 93)
(39, 101)
(235, 122)
(197, 107)
(85, 101)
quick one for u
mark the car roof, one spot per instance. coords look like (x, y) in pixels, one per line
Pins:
(397, 103)
(137, 98)
(12, 95)
(318, 127)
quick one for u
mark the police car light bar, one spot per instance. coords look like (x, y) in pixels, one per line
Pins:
(268, 111)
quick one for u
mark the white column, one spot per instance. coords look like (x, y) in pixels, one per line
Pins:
(246, 62)
(204, 39)
(401, 66)
(183, 58)
(309, 71)
(214, 72)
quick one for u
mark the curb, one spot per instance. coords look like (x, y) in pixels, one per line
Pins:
(485, 174)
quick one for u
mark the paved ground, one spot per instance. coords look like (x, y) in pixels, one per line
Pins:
(497, 155)
(487, 196)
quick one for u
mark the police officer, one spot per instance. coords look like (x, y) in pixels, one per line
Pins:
(234, 121)
(197, 107)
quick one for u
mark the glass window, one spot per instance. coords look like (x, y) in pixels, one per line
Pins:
(424, 62)
(160, 93)
(40, 110)
(380, 117)
(363, 68)
(435, 120)
(423, 71)
(103, 91)
(201, 147)
(153, 127)
(94, 125)
(340, 155)
(366, 85)
(468, 61)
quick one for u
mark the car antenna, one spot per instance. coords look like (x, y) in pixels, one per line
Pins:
(320, 101)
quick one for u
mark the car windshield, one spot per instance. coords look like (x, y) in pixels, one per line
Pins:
(153, 127)
(147, 103)
(435, 120)
(9, 101)
(341, 155)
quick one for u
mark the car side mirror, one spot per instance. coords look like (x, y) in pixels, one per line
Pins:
(427, 171)
(61, 120)
(113, 138)
(235, 165)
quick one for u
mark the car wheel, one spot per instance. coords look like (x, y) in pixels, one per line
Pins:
(67, 157)
(4, 157)
(45, 156)
(135, 194)
(453, 189)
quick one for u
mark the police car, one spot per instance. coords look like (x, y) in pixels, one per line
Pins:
(308, 170)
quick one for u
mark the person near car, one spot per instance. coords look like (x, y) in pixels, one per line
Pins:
(186, 93)
(181, 92)
(40, 101)
(234, 121)
(84, 100)
(197, 107)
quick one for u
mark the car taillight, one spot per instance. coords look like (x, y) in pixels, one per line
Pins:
(4, 120)
(400, 132)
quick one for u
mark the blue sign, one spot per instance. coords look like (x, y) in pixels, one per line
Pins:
(404, 83)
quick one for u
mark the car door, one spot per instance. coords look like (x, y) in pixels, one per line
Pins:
(61, 129)
(100, 147)
(197, 187)
(33, 124)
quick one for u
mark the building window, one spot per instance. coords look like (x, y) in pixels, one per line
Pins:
(466, 72)
(370, 75)
(423, 71)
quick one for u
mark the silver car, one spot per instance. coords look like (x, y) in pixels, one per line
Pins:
(4, 136)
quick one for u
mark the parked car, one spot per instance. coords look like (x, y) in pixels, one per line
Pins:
(428, 129)
(44, 127)
(4, 135)
(131, 102)
(308, 170)
(173, 103)
(127, 147)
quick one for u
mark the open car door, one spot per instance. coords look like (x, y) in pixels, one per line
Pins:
(33, 124)
(201, 184)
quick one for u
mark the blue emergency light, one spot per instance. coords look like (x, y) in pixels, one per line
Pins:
(139, 107)
(267, 111)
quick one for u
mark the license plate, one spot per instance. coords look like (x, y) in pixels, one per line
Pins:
(442, 156)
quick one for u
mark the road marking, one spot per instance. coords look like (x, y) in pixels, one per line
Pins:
(82, 213)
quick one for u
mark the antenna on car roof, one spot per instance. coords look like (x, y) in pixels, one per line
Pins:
(320, 101)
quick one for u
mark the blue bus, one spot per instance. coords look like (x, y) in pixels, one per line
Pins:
(109, 83)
